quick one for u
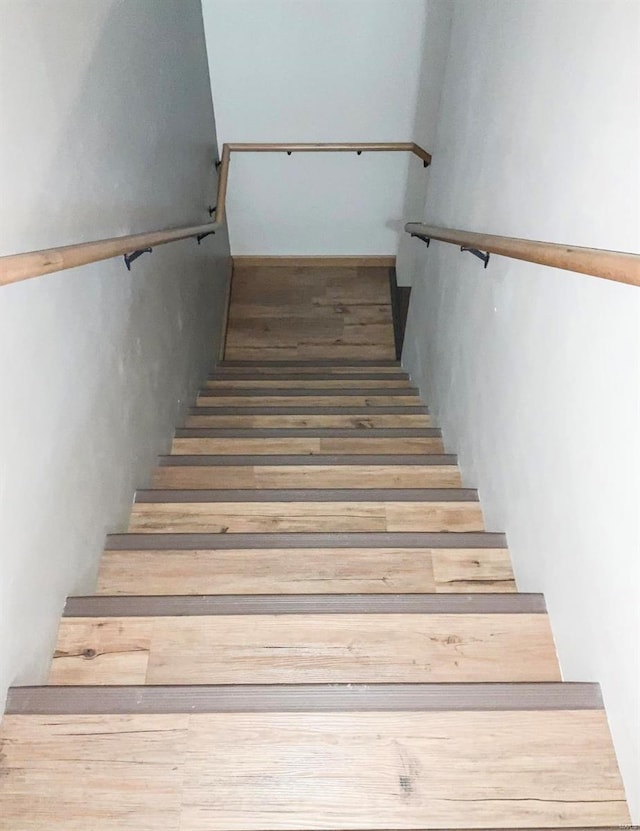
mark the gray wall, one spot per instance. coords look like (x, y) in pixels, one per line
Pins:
(106, 128)
(534, 373)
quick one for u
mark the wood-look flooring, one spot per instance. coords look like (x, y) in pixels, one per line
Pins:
(311, 446)
(306, 625)
(276, 517)
(307, 476)
(284, 771)
(308, 648)
(308, 570)
(309, 313)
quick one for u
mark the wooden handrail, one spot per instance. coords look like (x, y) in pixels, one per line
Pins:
(308, 147)
(618, 266)
(16, 267)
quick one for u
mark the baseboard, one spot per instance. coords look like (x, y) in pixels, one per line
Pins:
(353, 261)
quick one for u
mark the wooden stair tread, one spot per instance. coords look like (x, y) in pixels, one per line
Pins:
(279, 771)
(257, 516)
(305, 476)
(303, 646)
(291, 571)
(253, 444)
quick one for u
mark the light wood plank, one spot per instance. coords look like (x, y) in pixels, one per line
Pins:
(306, 571)
(401, 770)
(304, 446)
(107, 651)
(308, 476)
(266, 571)
(307, 261)
(312, 351)
(256, 771)
(309, 648)
(311, 420)
(373, 313)
(93, 773)
(304, 312)
(473, 570)
(274, 517)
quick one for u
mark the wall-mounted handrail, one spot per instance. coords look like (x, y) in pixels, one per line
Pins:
(619, 266)
(16, 267)
(308, 147)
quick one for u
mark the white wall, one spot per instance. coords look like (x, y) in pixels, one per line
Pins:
(316, 70)
(534, 373)
(106, 128)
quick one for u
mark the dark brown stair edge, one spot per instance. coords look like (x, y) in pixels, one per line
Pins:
(315, 362)
(309, 411)
(297, 392)
(312, 460)
(233, 375)
(380, 539)
(292, 698)
(309, 432)
(318, 604)
(308, 495)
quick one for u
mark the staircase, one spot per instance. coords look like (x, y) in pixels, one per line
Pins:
(306, 624)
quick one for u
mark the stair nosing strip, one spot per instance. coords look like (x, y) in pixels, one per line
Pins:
(288, 495)
(379, 539)
(306, 604)
(299, 392)
(309, 432)
(310, 460)
(313, 362)
(250, 698)
(308, 411)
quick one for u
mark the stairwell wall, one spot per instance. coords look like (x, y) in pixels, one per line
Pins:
(106, 129)
(534, 373)
(316, 71)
